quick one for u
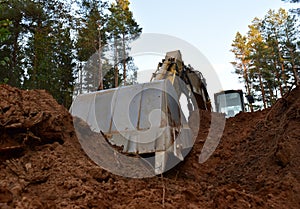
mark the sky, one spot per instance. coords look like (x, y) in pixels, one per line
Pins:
(209, 26)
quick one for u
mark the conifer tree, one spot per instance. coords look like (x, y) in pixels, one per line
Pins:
(91, 43)
(123, 29)
(267, 58)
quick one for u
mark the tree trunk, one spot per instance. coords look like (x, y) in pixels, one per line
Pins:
(272, 97)
(247, 84)
(80, 77)
(297, 79)
(35, 82)
(278, 78)
(100, 87)
(124, 59)
(282, 68)
(116, 69)
(15, 48)
(294, 68)
(284, 79)
(262, 89)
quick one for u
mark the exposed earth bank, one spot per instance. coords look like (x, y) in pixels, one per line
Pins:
(255, 165)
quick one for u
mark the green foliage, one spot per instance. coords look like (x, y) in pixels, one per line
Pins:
(91, 44)
(38, 52)
(91, 29)
(104, 34)
(4, 35)
(294, 10)
(49, 57)
(122, 29)
(4, 32)
(52, 45)
(11, 70)
(121, 22)
(266, 59)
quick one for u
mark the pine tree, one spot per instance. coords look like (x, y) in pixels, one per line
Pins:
(242, 62)
(273, 56)
(290, 47)
(123, 29)
(257, 47)
(48, 51)
(273, 25)
(4, 35)
(91, 43)
(11, 71)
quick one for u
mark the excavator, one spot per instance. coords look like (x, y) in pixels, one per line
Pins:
(149, 118)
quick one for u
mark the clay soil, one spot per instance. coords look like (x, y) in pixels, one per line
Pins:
(255, 165)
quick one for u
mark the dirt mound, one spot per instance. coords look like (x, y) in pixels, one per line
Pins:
(256, 164)
(29, 119)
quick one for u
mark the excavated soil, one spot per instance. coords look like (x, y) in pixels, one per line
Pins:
(255, 165)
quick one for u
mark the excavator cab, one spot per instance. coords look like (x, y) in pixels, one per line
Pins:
(229, 102)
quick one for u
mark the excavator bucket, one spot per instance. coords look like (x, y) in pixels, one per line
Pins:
(149, 118)
(143, 118)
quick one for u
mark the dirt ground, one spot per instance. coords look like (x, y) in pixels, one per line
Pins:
(256, 164)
